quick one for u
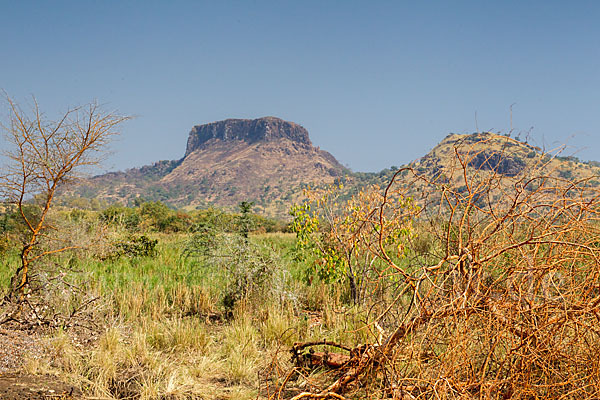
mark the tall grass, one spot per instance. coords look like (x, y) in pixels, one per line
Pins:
(163, 331)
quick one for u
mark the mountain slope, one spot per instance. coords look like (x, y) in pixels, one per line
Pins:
(487, 153)
(504, 155)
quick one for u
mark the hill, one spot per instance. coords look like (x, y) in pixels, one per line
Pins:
(503, 155)
(484, 152)
(270, 161)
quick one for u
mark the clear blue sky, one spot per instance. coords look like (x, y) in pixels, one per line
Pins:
(376, 83)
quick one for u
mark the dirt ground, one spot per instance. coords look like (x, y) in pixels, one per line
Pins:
(18, 386)
(15, 384)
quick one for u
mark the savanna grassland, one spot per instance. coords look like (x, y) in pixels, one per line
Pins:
(174, 314)
(477, 278)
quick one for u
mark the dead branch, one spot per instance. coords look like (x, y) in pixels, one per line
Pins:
(505, 302)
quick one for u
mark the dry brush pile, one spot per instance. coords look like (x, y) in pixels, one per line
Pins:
(495, 292)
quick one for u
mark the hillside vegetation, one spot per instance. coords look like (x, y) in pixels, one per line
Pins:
(273, 171)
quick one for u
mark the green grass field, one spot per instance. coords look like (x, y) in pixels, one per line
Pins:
(160, 328)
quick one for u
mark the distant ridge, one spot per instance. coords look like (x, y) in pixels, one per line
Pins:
(270, 161)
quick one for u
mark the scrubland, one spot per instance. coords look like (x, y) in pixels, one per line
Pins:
(161, 325)
(482, 285)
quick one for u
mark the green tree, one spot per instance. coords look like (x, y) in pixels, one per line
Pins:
(245, 221)
(341, 234)
(126, 217)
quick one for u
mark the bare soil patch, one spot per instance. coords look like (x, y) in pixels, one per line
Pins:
(17, 386)
(15, 347)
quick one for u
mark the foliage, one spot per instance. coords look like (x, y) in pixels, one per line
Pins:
(304, 225)
(10, 221)
(244, 221)
(313, 247)
(5, 244)
(126, 217)
(154, 214)
(250, 271)
(158, 217)
(344, 234)
(248, 268)
(135, 246)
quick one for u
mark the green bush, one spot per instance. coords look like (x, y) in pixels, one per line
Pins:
(121, 216)
(246, 269)
(5, 245)
(135, 246)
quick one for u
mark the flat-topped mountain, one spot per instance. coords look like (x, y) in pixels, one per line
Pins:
(265, 160)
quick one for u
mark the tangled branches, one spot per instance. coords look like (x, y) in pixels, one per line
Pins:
(42, 156)
(502, 302)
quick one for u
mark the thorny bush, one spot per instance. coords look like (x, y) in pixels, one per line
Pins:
(504, 303)
(247, 269)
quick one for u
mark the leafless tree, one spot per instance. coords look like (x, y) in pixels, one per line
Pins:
(43, 155)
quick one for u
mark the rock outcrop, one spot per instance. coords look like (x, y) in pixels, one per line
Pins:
(499, 162)
(248, 130)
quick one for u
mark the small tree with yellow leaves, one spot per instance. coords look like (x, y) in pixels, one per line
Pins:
(347, 235)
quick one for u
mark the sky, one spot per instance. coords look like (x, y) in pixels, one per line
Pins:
(376, 83)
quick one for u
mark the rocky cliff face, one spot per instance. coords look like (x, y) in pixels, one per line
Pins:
(250, 131)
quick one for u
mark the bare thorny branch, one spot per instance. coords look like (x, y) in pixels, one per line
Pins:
(44, 155)
(506, 304)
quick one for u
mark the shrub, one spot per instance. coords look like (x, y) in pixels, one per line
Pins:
(246, 268)
(121, 216)
(505, 301)
(134, 246)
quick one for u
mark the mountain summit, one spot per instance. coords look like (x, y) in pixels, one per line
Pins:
(248, 130)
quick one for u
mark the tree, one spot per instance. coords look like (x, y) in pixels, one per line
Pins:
(44, 155)
(245, 219)
(343, 234)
